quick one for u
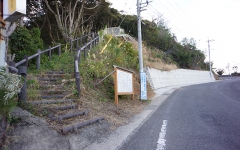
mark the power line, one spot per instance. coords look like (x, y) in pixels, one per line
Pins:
(125, 15)
(132, 26)
(175, 9)
(167, 19)
(173, 13)
(125, 4)
(158, 12)
(168, 10)
(180, 8)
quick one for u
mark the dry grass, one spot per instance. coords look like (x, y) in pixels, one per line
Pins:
(127, 108)
(95, 101)
(152, 62)
(120, 114)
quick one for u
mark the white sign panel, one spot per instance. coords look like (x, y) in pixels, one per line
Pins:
(124, 81)
(143, 86)
(13, 9)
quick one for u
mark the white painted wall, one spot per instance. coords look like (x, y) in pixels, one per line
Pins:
(159, 79)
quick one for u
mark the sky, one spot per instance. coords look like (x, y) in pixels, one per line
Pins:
(215, 20)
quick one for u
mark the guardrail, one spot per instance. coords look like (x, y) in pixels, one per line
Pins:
(38, 55)
(87, 42)
(22, 70)
(77, 59)
(78, 42)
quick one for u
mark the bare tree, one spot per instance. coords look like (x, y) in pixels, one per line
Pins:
(71, 15)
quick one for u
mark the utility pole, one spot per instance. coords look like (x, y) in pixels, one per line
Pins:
(228, 67)
(210, 64)
(2, 36)
(139, 36)
(143, 83)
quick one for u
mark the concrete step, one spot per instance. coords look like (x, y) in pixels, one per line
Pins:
(55, 72)
(51, 96)
(69, 115)
(41, 102)
(52, 92)
(76, 126)
(48, 79)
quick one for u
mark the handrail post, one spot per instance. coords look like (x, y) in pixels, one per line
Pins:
(26, 62)
(85, 54)
(22, 96)
(50, 53)
(11, 64)
(38, 59)
(77, 44)
(79, 57)
(95, 41)
(92, 43)
(59, 49)
(74, 66)
(77, 76)
(80, 41)
(71, 45)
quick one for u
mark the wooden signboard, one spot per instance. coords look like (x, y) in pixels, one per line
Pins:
(123, 82)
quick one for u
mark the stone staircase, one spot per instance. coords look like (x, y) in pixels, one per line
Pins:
(57, 100)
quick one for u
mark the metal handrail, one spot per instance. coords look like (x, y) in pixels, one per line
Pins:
(36, 55)
(93, 42)
(77, 60)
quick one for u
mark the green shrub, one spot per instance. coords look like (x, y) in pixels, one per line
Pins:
(25, 42)
(10, 85)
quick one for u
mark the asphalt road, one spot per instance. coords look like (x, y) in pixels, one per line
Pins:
(197, 117)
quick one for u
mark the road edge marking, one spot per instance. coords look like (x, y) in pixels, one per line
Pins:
(161, 140)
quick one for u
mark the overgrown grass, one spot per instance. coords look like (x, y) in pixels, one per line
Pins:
(99, 63)
(64, 62)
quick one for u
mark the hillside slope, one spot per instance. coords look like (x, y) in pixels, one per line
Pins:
(97, 99)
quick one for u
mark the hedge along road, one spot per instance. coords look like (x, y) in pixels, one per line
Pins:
(201, 117)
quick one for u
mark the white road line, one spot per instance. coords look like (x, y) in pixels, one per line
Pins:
(161, 140)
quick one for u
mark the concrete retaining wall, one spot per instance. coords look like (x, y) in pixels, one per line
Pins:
(159, 79)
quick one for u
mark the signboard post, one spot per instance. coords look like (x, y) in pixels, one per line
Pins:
(123, 83)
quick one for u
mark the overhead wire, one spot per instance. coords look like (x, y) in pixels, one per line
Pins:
(168, 9)
(172, 13)
(180, 8)
(166, 19)
(187, 23)
(125, 15)
(125, 4)
(175, 9)
(190, 24)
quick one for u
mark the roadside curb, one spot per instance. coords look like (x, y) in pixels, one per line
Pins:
(115, 140)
